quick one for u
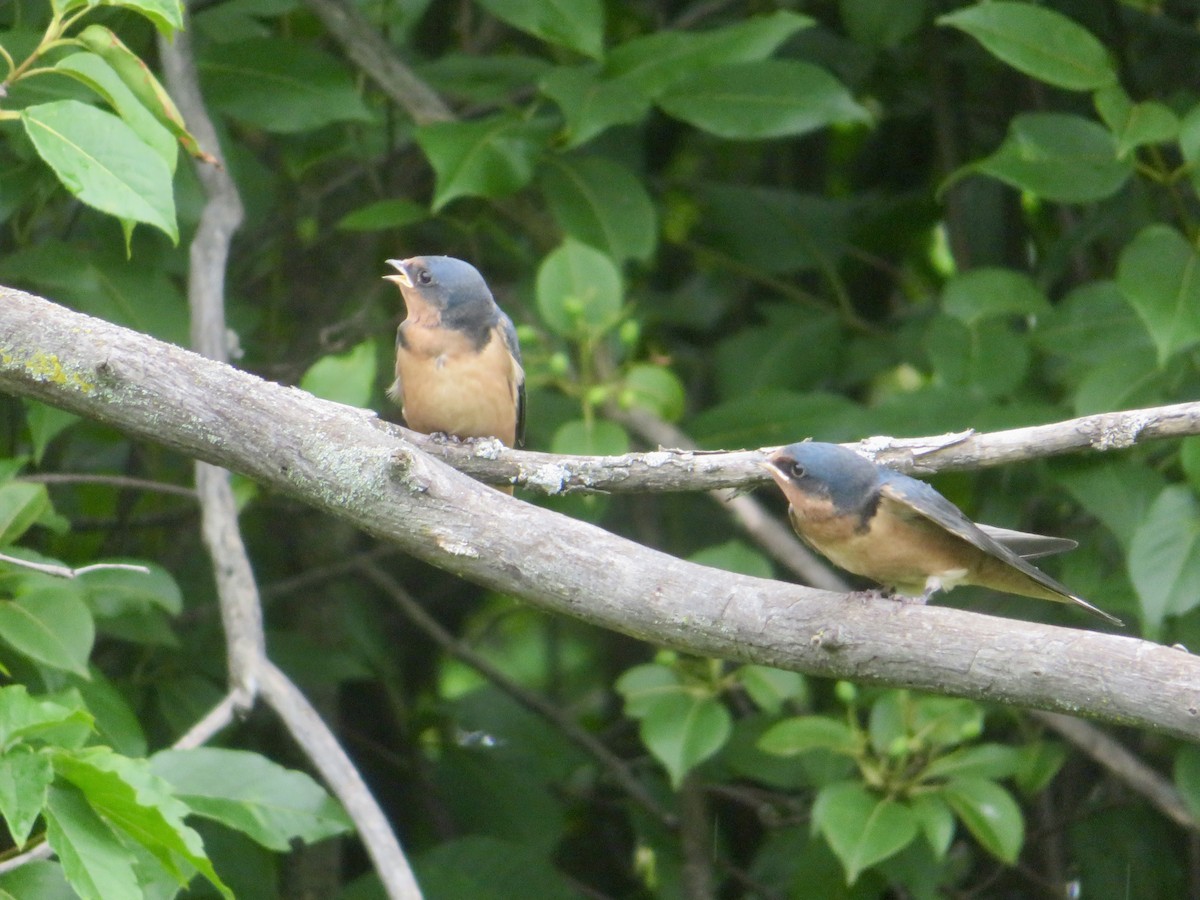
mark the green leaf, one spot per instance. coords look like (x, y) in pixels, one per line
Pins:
(279, 85)
(655, 388)
(103, 162)
(988, 359)
(38, 878)
(45, 423)
(764, 99)
(488, 868)
(1187, 776)
(600, 437)
(1038, 41)
(347, 378)
(115, 592)
(383, 215)
(167, 15)
(591, 103)
(579, 290)
(139, 803)
(24, 780)
(771, 418)
(490, 157)
(683, 730)
(803, 733)
(987, 293)
(1189, 143)
(575, 24)
(601, 203)
(1059, 157)
(22, 503)
(1159, 274)
(861, 828)
(1091, 321)
(981, 760)
(90, 69)
(990, 814)
(25, 718)
(96, 863)
(1118, 492)
(936, 821)
(48, 621)
(881, 24)
(770, 688)
(643, 686)
(734, 556)
(249, 793)
(1135, 124)
(945, 721)
(1164, 557)
(1038, 763)
(1189, 460)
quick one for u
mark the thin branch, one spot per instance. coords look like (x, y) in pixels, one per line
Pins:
(119, 482)
(67, 571)
(1124, 765)
(613, 764)
(340, 461)
(692, 470)
(368, 49)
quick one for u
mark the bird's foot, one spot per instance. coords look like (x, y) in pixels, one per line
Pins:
(875, 593)
(441, 437)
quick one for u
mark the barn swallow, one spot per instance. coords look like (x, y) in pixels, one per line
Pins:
(902, 533)
(458, 364)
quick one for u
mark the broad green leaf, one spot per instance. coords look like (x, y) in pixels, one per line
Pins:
(1189, 143)
(25, 718)
(771, 418)
(945, 721)
(279, 85)
(22, 503)
(483, 81)
(579, 290)
(763, 99)
(115, 592)
(45, 423)
(138, 78)
(49, 622)
(1187, 776)
(600, 437)
(1135, 124)
(1091, 321)
(1059, 157)
(483, 867)
(576, 24)
(980, 760)
(90, 69)
(40, 878)
(167, 15)
(103, 162)
(591, 103)
(683, 730)
(1159, 274)
(1117, 491)
(249, 793)
(1038, 41)
(861, 828)
(1164, 557)
(990, 814)
(888, 724)
(988, 359)
(770, 688)
(1037, 765)
(655, 388)
(1189, 459)
(141, 804)
(734, 556)
(793, 348)
(936, 821)
(881, 24)
(490, 157)
(600, 202)
(383, 215)
(986, 293)
(644, 685)
(1126, 381)
(803, 733)
(25, 777)
(347, 378)
(96, 863)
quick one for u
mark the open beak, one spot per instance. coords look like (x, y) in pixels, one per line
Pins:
(401, 267)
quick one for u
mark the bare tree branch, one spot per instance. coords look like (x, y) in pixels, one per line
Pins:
(342, 461)
(690, 470)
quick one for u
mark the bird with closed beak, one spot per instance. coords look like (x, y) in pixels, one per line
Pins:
(902, 533)
(458, 364)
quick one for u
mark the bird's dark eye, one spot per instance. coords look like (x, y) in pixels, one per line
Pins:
(794, 469)
(423, 277)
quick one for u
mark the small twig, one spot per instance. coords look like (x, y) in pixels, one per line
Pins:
(1123, 764)
(67, 571)
(120, 482)
(612, 763)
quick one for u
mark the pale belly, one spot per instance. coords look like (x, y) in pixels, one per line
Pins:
(458, 395)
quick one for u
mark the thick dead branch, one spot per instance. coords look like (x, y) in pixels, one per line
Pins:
(339, 460)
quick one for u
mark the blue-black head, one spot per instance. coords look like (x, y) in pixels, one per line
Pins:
(452, 287)
(848, 480)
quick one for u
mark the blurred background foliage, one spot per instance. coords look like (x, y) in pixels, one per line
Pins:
(759, 221)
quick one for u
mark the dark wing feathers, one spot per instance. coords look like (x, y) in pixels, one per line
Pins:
(509, 332)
